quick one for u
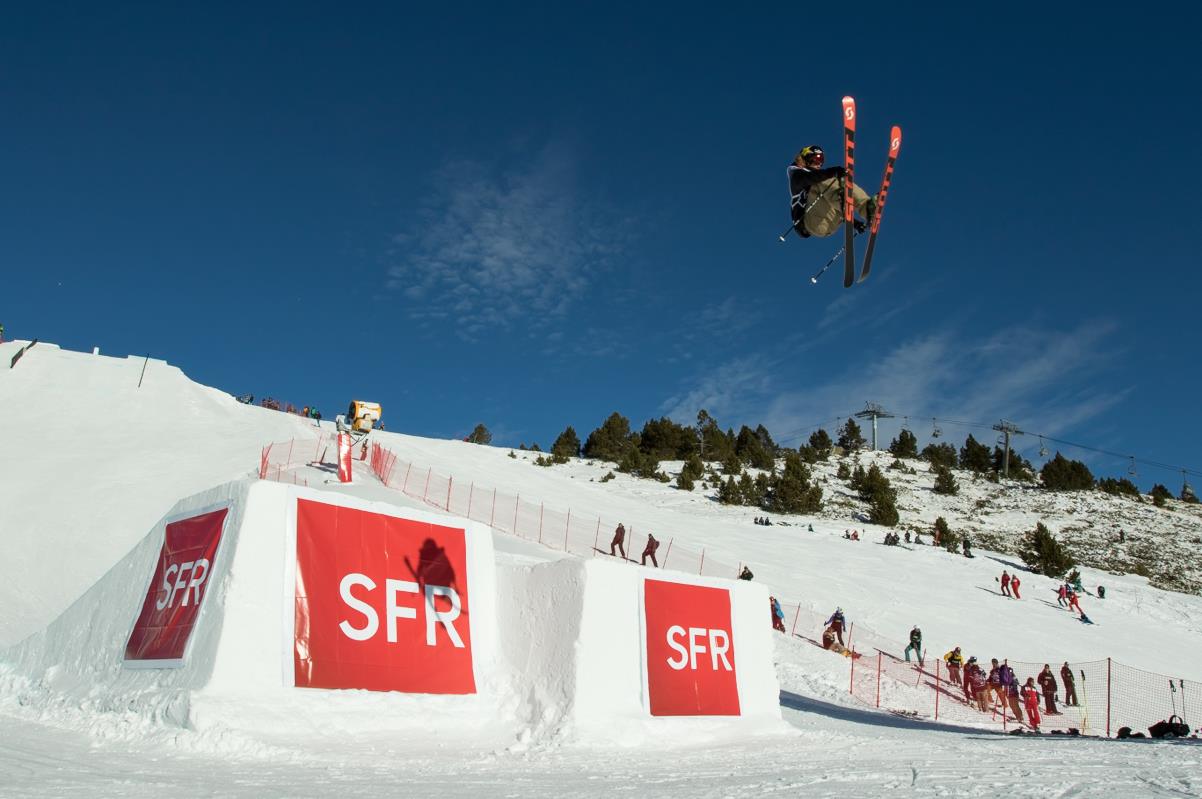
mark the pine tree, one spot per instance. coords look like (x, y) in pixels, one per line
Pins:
(844, 471)
(728, 493)
(667, 440)
(947, 539)
(1020, 467)
(1062, 474)
(567, 445)
(684, 480)
(975, 456)
(875, 489)
(1160, 495)
(611, 441)
(749, 447)
(905, 445)
(820, 440)
(480, 435)
(715, 445)
(791, 491)
(939, 455)
(1043, 553)
(945, 482)
(1121, 487)
(850, 437)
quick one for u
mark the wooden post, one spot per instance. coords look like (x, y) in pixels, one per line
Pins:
(597, 537)
(878, 678)
(937, 664)
(667, 552)
(492, 514)
(471, 494)
(567, 530)
(702, 567)
(796, 616)
(1107, 696)
(516, 503)
(540, 522)
(426, 491)
(450, 482)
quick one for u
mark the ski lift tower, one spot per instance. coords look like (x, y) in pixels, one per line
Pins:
(874, 411)
(1007, 429)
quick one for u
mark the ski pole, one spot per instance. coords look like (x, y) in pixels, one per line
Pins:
(835, 257)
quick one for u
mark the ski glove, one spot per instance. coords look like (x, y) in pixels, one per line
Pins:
(859, 226)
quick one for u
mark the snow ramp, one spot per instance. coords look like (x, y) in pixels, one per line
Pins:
(283, 611)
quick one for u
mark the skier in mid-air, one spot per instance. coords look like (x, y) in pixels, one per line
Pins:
(816, 194)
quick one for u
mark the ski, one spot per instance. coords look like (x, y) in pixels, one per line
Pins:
(849, 204)
(894, 149)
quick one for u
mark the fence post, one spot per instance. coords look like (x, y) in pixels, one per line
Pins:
(405, 485)
(878, 677)
(597, 537)
(516, 503)
(937, 687)
(450, 482)
(567, 530)
(796, 616)
(1107, 697)
(540, 522)
(471, 494)
(492, 514)
(851, 681)
(702, 567)
(290, 444)
(668, 552)
(426, 490)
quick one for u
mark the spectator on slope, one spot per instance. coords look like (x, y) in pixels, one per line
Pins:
(1005, 583)
(954, 661)
(1101, 592)
(978, 684)
(810, 528)
(649, 551)
(907, 536)
(828, 637)
(837, 622)
(1031, 700)
(746, 574)
(915, 644)
(996, 691)
(778, 615)
(847, 535)
(1070, 688)
(967, 547)
(855, 535)
(1014, 582)
(918, 538)
(1010, 685)
(1062, 595)
(618, 541)
(1047, 683)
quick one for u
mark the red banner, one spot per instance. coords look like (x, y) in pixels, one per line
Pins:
(344, 458)
(381, 603)
(180, 583)
(690, 650)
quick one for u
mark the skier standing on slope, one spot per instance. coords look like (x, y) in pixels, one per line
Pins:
(618, 541)
(1062, 595)
(1047, 682)
(778, 615)
(816, 195)
(1005, 583)
(915, 644)
(836, 623)
(649, 551)
(1031, 700)
(1070, 687)
(954, 661)
(1014, 586)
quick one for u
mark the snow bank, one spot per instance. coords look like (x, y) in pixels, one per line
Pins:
(578, 632)
(247, 603)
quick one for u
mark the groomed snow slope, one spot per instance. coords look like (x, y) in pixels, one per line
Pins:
(119, 460)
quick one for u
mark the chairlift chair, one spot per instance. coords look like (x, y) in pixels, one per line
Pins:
(935, 431)
(1043, 448)
(1131, 468)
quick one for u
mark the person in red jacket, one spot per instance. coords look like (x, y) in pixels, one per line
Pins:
(1062, 595)
(1031, 700)
(649, 551)
(1005, 583)
(1074, 602)
(1014, 586)
(618, 541)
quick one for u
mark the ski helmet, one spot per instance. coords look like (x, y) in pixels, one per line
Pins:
(812, 155)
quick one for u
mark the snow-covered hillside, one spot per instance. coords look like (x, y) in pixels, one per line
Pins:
(91, 462)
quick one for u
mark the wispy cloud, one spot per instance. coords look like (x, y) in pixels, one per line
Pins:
(491, 247)
(1043, 379)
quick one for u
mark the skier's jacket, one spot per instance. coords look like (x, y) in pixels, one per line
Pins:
(916, 637)
(821, 192)
(776, 611)
(836, 620)
(1066, 674)
(1005, 578)
(1030, 697)
(1005, 676)
(953, 658)
(1047, 681)
(976, 679)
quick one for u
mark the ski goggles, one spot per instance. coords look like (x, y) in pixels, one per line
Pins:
(813, 155)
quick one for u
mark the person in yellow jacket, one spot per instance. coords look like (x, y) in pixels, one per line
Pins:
(954, 661)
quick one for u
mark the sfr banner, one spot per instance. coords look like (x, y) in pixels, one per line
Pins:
(381, 603)
(169, 613)
(690, 652)
(344, 458)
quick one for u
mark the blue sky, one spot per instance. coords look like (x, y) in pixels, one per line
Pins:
(533, 215)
